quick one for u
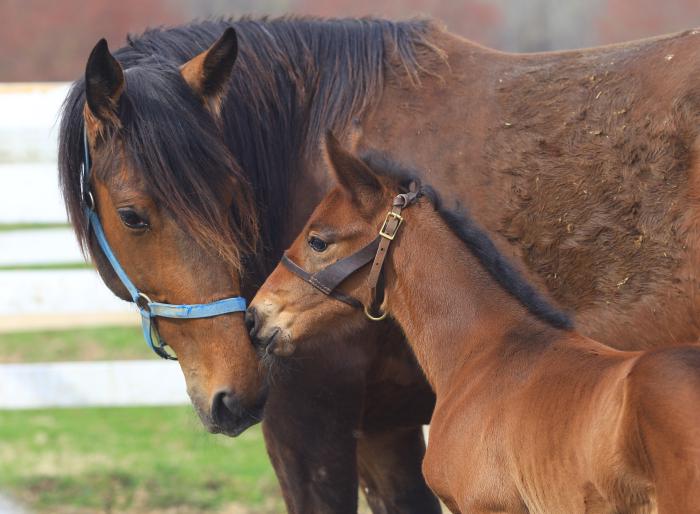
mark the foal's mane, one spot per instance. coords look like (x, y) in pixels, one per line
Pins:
(294, 78)
(477, 241)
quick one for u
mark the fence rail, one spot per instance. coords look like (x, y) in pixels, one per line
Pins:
(53, 298)
(46, 246)
(91, 384)
(30, 193)
(57, 298)
(29, 121)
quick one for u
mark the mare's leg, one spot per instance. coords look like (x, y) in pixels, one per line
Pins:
(398, 402)
(390, 472)
(311, 417)
(665, 389)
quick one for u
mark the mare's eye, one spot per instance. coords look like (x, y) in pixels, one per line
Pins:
(317, 244)
(131, 219)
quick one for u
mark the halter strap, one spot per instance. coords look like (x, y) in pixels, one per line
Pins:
(329, 278)
(147, 308)
(387, 233)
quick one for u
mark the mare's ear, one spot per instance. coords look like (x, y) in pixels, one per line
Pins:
(351, 173)
(208, 73)
(104, 85)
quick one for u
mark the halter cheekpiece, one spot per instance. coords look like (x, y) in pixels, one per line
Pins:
(329, 278)
(148, 308)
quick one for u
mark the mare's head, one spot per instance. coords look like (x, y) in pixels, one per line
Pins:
(286, 310)
(175, 209)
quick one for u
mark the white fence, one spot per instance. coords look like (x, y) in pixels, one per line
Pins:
(29, 193)
(91, 384)
(58, 298)
(29, 121)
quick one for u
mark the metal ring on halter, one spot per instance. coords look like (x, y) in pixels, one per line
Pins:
(382, 310)
(89, 200)
(141, 305)
(374, 318)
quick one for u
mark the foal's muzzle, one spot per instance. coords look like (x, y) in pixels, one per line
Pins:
(267, 340)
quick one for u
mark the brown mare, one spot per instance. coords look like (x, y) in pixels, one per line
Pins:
(531, 416)
(580, 165)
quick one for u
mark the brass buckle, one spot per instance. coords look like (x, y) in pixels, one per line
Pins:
(383, 232)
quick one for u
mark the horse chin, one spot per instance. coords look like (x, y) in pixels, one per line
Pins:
(250, 418)
(284, 345)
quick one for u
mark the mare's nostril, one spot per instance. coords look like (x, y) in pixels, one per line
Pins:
(217, 405)
(228, 415)
(225, 409)
(250, 320)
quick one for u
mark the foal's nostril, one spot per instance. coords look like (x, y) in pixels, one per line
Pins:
(250, 320)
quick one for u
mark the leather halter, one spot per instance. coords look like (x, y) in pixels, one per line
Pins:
(147, 308)
(329, 278)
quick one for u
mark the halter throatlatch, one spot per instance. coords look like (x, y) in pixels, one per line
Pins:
(148, 309)
(329, 278)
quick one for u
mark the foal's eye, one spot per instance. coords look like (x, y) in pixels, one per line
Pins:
(131, 219)
(317, 244)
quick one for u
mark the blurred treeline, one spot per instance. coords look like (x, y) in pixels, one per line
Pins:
(49, 39)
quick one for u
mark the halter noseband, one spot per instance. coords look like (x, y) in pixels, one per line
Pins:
(147, 308)
(329, 278)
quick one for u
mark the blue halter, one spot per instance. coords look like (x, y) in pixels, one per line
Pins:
(148, 308)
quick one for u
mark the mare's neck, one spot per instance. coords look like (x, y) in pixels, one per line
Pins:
(454, 314)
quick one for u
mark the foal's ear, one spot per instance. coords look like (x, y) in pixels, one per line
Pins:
(104, 84)
(208, 73)
(353, 175)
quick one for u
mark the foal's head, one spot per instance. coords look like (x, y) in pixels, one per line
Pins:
(175, 210)
(345, 227)
(287, 310)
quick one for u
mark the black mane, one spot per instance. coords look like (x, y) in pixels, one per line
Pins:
(477, 241)
(294, 78)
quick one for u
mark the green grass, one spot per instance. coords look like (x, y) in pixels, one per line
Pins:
(45, 267)
(6, 227)
(134, 460)
(101, 343)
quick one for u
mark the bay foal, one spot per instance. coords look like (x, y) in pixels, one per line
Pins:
(531, 417)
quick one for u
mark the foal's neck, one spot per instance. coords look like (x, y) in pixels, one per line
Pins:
(453, 312)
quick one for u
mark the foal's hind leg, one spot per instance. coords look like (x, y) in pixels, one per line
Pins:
(665, 394)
